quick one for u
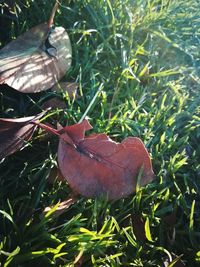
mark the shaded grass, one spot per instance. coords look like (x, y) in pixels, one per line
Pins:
(145, 54)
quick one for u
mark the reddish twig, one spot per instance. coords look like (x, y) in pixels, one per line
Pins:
(46, 128)
(53, 12)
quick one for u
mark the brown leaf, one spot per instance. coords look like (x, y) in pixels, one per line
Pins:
(54, 103)
(14, 133)
(69, 87)
(62, 207)
(96, 165)
(176, 261)
(36, 60)
(79, 260)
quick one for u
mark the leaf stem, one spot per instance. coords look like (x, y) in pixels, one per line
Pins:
(53, 12)
(47, 128)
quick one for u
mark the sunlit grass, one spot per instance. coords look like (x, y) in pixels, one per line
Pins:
(145, 57)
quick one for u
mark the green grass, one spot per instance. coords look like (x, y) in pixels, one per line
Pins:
(146, 56)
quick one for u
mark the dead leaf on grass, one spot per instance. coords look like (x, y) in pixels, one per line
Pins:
(96, 165)
(176, 261)
(14, 133)
(66, 87)
(54, 103)
(62, 207)
(69, 87)
(37, 59)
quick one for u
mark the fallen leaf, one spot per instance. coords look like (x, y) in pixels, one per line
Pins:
(176, 261)
(54, 103)
(14, 133)
(69, 87)
(37, 59)
(62, 207)
(79, 259)
(96, 165)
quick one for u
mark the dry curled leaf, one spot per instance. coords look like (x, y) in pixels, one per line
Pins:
(14, 133)
(36, 60)
(176, 261)
(62, 207)
(96, 165)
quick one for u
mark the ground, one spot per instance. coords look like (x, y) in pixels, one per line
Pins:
(145, 57)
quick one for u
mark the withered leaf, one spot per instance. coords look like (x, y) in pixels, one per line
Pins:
(14, 133)
(96, 165)
(54, 103)
(176, 261)
(69, 87)
(62, 207)
(36, 60)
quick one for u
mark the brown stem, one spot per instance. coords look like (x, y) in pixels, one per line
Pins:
(47, 128)
(53, 12)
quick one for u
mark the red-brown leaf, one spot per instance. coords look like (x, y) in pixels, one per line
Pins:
(14, 133)
(96, 165)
